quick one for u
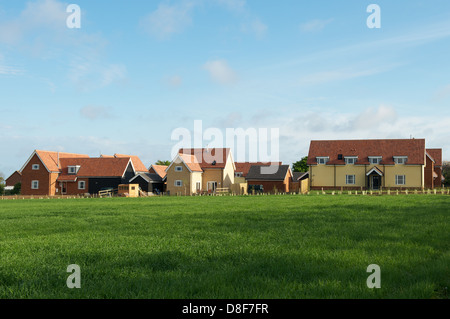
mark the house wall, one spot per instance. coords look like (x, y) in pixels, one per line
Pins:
(328, 176)
(269, 186)
(72, 187)
(212, 175)
(184, 176)
(13, 179)
(438, 180)
(429, 168)
(41, 175)
(228, 172)
(196, 177)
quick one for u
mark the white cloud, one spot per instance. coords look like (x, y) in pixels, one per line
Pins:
(255, 27)
(220, 72)
(95, 112)
(167, 20)
(175, 81)
(315, 25)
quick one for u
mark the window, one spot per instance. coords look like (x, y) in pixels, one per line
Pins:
(238, 174)
(72, 169)
(178, 168)
(322, 159)
(34, 184)
(198, 186)
(375, 159)
(35, 167)
(81, 185)
(400, 179)
(400, 159)
(351, 160)
(178, 183)
(350, 179)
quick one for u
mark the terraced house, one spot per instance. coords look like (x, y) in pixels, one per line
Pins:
(373, 164)
(59, 173)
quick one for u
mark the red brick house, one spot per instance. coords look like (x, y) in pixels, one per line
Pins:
(433, 168)
(14, 179)
(59, 173)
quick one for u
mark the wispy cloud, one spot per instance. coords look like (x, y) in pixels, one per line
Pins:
(256, 27)
(220, 72)
(168, 20)
(315, 25)
(92, 112)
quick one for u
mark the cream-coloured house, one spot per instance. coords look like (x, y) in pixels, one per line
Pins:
(201, 170)
(369, 164)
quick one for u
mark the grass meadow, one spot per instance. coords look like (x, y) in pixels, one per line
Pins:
(249, 247)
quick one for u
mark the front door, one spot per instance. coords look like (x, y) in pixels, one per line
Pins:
(376, 181)
(64, 188)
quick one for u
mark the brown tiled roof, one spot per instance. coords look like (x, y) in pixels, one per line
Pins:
(387, 148)
(50, 159)
(206, 157)
(137, 163)
(160, 170)
(436, 155)
(244, 167)
(94, 167)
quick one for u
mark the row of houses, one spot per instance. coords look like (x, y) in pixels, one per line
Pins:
(337, 164)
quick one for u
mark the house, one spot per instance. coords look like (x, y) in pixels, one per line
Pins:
(149, 182)
(300, 182)
(92, 175)
(369, 164)
(200, 170)
(433, 168)
(159, 169)
(277, 182)
(59, 173)
(14, 179)
(242, 169)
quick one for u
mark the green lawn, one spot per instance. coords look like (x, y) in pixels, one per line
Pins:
(287, 246)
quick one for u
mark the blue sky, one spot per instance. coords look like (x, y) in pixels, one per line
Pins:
(137, 70)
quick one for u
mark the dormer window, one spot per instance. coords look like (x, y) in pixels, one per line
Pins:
(73, 169)
(400, 159)
(350, 159)
(375, 159)
(322, 159)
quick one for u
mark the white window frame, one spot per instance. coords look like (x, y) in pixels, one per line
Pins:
(350, 160)
(347, 179)
(238, 174)
(322, 160)
(400, 160)
(178, 168)
(375, 159)
(397, 179)
(178, 183)
(35, 167)
(72, 170)
(81, 182)
(198, 186)
(33, 184)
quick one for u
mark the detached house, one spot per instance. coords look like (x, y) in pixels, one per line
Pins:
(280, 180)
(372, 164)
(60, 173)
(200, 170)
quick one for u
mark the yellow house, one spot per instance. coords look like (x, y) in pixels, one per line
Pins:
(202, 170)
(368, 164)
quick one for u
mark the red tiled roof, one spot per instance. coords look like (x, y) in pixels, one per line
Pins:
(94, 167)
(244, 167)
(50, 159)
(137, 163)
(160, 170)
(206, 157)
(436, 155)
(387, 148)
(190, 161)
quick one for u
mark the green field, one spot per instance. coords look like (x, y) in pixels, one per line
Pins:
(287, 246)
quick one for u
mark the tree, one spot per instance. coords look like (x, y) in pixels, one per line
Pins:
(17, 188)
(159, 162)
(446, 173)
(301, 166)
(2, 184)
